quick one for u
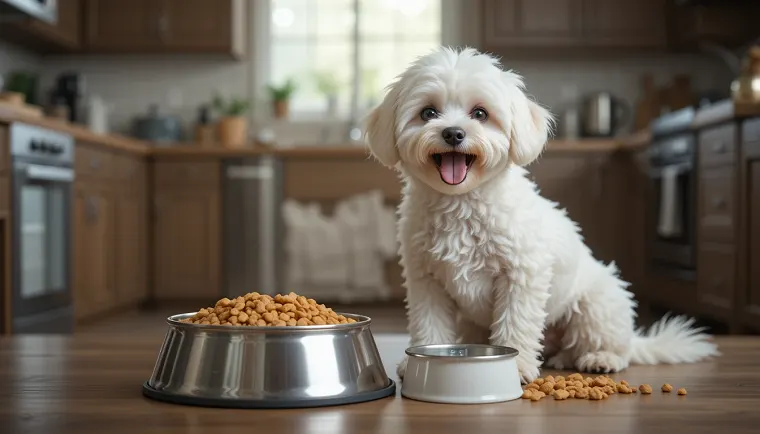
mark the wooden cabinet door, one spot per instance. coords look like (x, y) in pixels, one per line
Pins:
(579, 184)
(93, 251)
(201, 25)
(531, 23)
(66, 32)
(186, 233)
(749, 295)
(635, 23)
(131, 284)
(117, 25)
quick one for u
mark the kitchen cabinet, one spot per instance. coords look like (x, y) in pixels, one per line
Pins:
(186, 231)
(166, 26)
(731, 24)
(748, 299)
(530, 24)
(110, 231)
(62, 37)
(717, 220)
(625, 24)
(93, 275)
(588, 187)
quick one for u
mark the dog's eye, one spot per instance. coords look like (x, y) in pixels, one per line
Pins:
(479, 114)
(428, 113)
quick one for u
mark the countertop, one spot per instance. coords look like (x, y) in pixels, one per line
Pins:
(185, 150)
(88, 384)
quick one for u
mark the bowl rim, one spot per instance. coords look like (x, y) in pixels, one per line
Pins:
(361, 322)
(418, 351)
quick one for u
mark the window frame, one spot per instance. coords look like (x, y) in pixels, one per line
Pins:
(262, 56)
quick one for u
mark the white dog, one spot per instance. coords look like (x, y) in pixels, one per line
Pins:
(486, 259)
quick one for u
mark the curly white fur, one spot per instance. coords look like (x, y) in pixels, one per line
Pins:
(489, 259)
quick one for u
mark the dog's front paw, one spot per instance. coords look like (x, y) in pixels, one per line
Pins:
(401, 368)
(528, 369)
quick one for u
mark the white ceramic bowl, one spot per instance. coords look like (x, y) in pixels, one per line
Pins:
(461, 374)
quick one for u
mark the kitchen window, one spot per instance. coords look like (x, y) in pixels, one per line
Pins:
(360, 44)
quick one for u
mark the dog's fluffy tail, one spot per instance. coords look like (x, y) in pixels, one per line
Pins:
(672, 340)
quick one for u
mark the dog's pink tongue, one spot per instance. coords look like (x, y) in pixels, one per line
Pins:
(453, 167)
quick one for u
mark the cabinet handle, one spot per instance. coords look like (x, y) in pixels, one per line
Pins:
(163, 26)
(719, 203)
(719, 148)
(92, 209)
(717, 282)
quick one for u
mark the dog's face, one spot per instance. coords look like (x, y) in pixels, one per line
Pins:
(454, 119)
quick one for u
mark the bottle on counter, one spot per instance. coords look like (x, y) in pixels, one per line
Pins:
(204, 130)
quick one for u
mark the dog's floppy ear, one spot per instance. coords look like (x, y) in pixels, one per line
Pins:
(531, 126)
(380, 130)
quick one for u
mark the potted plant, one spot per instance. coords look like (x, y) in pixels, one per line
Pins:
(329, 86)
(232, 125)
(281, 98)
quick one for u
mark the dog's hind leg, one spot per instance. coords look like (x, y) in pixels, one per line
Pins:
(601, 328)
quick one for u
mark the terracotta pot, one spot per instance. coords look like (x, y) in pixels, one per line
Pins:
(233, 131)
(281, 109)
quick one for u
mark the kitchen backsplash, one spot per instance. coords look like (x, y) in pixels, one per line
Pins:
(180, 84)
(13, 58)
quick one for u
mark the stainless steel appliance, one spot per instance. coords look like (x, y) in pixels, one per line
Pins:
(69, 91)
(252, 226)
(43, 10)
(42, 162)
(603, 114)
(672, 223)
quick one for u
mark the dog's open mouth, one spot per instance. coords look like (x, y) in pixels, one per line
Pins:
(453, 166)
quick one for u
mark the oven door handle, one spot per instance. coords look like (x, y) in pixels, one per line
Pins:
(36, 172)
(681, 168)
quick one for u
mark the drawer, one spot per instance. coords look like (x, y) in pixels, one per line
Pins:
(717, 196)
(717, 145)
(128, 168)
(751, 131)
(178, 174)
(91, 162)
(716, 285)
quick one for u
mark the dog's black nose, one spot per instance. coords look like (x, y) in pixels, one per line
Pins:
(454, 136)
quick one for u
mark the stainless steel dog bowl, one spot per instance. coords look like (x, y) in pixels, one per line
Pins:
(268, 367)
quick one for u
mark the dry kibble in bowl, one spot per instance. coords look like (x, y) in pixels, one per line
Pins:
(262, 310)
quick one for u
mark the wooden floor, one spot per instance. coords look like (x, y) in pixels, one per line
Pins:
(91, 384)
(387, 318)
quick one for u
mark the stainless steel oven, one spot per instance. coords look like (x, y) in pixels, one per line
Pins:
(673, 182)
(43, 10)
(43, 174)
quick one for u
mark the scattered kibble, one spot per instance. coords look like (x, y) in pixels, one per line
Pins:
(575, 386)
(255, 309)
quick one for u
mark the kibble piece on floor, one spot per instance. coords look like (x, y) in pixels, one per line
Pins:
(645, 389)
(667, 388)
(682, 391)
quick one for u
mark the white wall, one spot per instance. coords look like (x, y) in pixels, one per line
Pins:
(132, 83)
(13, 58)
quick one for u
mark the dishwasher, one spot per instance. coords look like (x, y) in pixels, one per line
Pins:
(253, 227)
